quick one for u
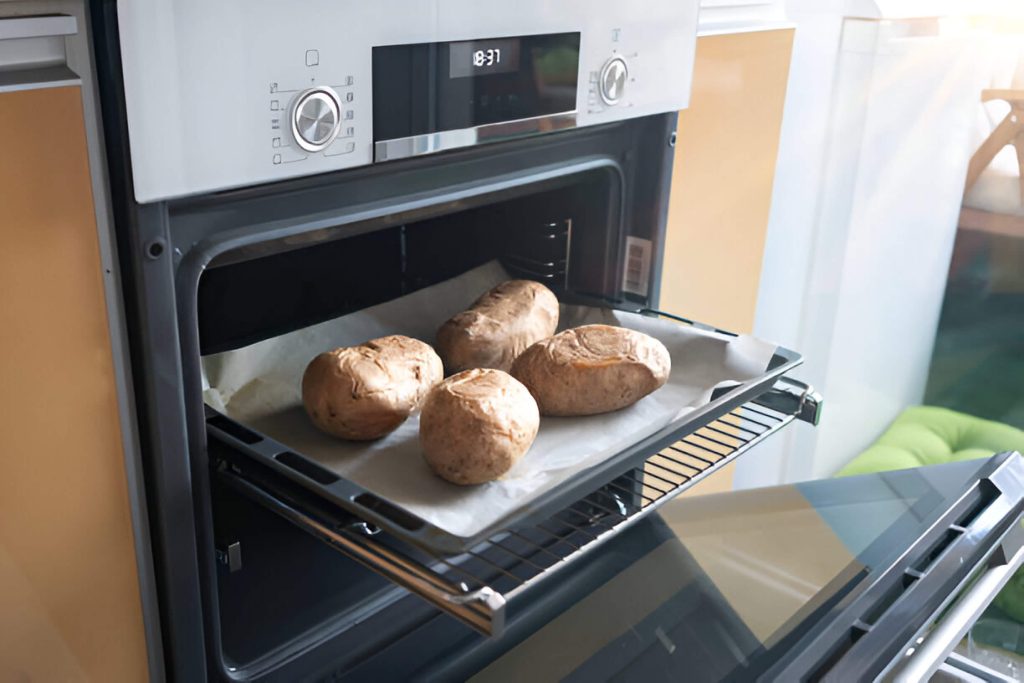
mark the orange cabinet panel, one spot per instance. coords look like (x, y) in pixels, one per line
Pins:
(724, 168)
(69, 595)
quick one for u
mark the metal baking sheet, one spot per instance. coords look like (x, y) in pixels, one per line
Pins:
(386, 482)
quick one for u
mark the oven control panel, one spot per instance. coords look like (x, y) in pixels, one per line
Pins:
(351, 83)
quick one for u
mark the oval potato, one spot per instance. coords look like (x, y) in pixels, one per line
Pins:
(498, 327)
(476, 425)
(592, 369)
(364, 392)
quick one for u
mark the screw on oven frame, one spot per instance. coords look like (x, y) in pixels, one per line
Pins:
(155, 248)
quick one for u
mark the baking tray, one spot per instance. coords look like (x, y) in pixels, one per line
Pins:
(484, 586)
(404, 525)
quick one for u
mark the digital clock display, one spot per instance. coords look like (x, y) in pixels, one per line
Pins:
(482, 57)
(422, 88)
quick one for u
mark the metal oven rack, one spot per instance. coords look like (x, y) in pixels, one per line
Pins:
(476, 586)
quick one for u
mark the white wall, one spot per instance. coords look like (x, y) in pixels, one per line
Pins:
(794, 208)
(720, 16)
(875, 142)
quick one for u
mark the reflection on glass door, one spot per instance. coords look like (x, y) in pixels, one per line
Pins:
(978, 363)
(977, 367)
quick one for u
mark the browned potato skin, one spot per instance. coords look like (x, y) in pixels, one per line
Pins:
(476, 424)
(498, 327)
(364, 392)
(592, 369)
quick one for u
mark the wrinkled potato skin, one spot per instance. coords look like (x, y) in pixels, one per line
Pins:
(476, 425)
(498, 327)
(592, 369)
(364, 392)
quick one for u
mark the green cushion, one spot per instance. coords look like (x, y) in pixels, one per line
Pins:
(925, 435)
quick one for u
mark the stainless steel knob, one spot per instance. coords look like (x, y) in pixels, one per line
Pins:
(613, 80)
(316, 118)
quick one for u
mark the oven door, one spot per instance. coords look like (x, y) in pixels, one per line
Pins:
(825, 580)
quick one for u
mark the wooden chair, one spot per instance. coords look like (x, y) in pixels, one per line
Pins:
(1010, 131)
(992, 222)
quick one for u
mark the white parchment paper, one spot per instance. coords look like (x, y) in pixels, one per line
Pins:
(259, 386)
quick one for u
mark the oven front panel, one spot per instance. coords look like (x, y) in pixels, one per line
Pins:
(234, 93)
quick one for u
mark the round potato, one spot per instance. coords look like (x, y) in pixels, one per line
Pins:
(364, 392)
(592, 369)
(498, 327)
(475, 425)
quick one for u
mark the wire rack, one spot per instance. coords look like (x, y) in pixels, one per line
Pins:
(476, 586)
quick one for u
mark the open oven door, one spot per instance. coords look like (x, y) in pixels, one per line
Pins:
(826, 580)
(871, 577)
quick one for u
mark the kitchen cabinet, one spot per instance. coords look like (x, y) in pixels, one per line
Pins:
(70, 605)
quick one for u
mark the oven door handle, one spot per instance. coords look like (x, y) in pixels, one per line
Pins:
(928, 656)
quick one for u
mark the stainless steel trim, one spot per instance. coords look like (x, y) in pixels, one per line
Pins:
(928, 656)
(38, 27)
(960, 668)
(428, 143)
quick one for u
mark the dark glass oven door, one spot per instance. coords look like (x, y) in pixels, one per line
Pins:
(825, 579)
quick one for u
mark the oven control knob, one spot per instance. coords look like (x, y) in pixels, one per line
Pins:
(613, 80)
(316, 118)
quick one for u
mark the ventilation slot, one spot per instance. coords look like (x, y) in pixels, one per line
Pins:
(890, 597)
(318, 474)
(386, 509)
(234, 429)
(989, 492)
(848, 641)
(936, 550)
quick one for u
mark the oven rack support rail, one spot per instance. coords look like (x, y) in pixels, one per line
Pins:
(477, 586)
